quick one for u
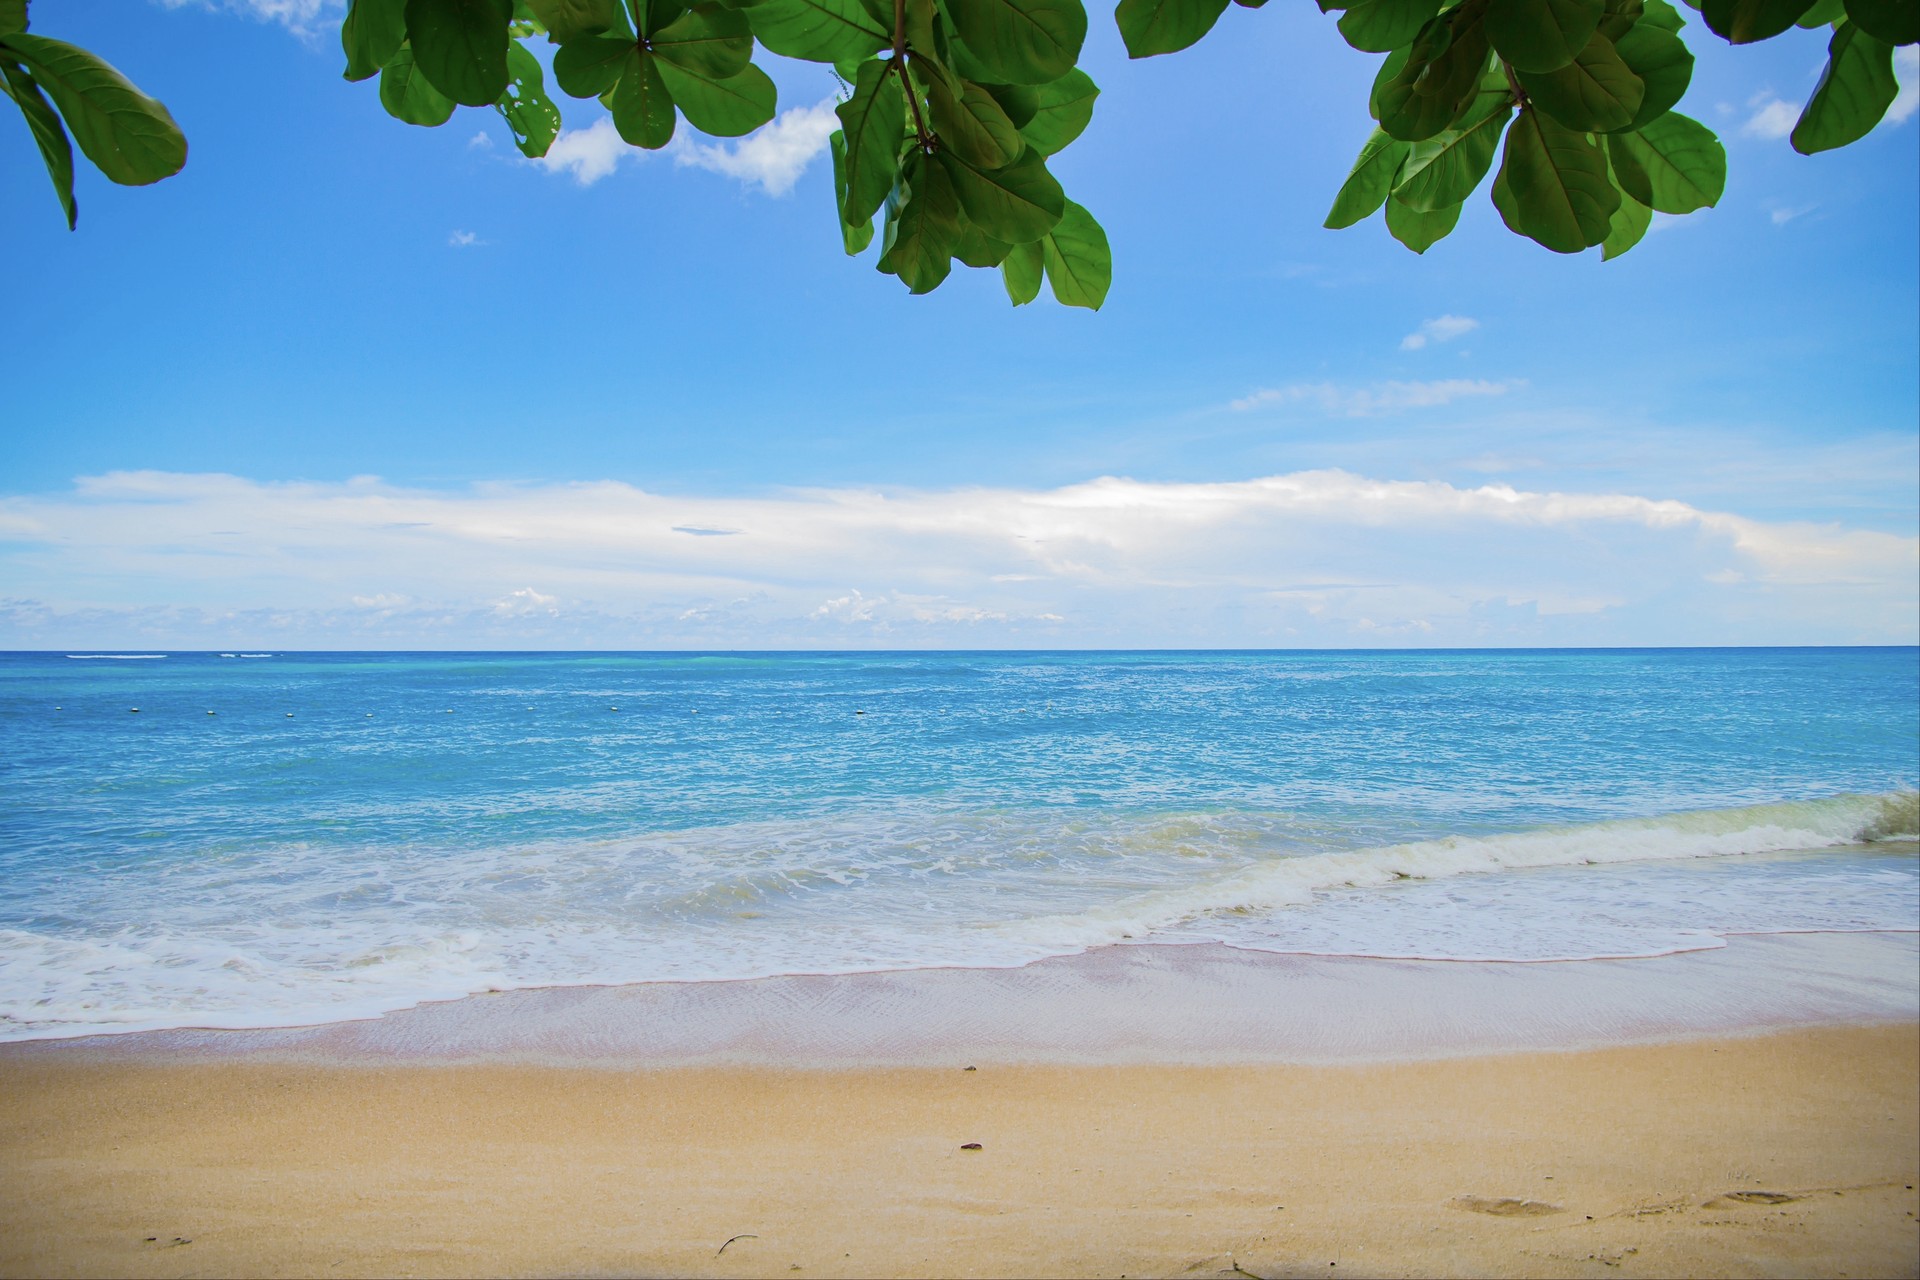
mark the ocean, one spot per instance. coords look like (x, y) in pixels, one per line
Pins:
(261, 839)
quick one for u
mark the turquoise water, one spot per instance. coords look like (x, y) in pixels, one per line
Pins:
(299, 837)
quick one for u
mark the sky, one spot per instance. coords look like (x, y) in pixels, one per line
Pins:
(349, 384)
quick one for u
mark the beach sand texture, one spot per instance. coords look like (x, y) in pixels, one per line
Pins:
(1788, 1154)
(1777, 1152)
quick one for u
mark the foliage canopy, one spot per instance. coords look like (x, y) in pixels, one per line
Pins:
(953, 108)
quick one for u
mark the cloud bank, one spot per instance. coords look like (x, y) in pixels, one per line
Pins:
(1313, 558)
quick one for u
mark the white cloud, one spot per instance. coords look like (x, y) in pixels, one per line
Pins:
(1437, 330)
(589, 154)
(1906, 68)
(774, 156)
(1382, 397)
(525, 603)
(304, 17)
(1771, 117)
(482, 141)
(464, 240)
(852, 607)
(1781, 215)
(1302, 559)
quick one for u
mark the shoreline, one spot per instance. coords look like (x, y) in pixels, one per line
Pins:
(1131, 1004)
(1186, 1110)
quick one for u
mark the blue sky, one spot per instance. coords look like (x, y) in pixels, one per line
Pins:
(347, 383)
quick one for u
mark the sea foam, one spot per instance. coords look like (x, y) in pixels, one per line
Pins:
(302, 937)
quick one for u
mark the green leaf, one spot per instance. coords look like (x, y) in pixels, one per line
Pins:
(1542, 35)
(1665, 66)
(1022, 272)
(1597, 91)
(1745, 21)
(1419, 230)
(713, 41)
(972, 123)
(1855, 91)
(525, 106)
(567, 20)
(1823, 14)
(1165, 26)
(1061, 112)
(1022, 41)
(590, 65)
(1369, 181)
(1019, 203)
(1658, 13)
(1444, 170)
(1379, 26)
(48, 133)
(129, 137)
(978, 249)
(13, 17)
(1440, 79)
(818, 30)
(1629, 224)
(407, 96)
(641, 104)
(1620, 17)
(1021, 102)
(1390, 68)
(655, 16)
(371, 34)
(873, 120)
(728, 107)
(1553, 186)
(460, 46)
(854, 236)
(923, 226)
(926, 27)
(1892, 21)
(1078, 261)
(1674, 165)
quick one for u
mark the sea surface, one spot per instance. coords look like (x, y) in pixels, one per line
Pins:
(268, 839)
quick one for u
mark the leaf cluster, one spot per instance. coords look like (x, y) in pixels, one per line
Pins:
(1576, 99)
(68, 95)
(954, 108)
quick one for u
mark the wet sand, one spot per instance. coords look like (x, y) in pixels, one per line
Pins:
(1205, 1005)
(1759, 1149)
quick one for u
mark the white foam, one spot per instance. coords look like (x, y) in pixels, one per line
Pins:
(301, 934)
(1296, 881)
(116, 657)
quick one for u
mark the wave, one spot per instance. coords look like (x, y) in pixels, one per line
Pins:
(1296, 881)
(1898, 819)
(316, 934)
(116, 657)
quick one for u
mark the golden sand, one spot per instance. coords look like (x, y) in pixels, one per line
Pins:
(1794, 1153)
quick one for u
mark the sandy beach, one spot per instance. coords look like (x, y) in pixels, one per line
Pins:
(1787, 1154)
(1774, 1150)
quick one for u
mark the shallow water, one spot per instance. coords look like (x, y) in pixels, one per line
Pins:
(352, 833)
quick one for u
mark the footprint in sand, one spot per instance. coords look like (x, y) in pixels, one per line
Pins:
(1506, 1207)
(1760, 1197)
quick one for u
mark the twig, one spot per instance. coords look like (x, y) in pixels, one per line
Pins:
(723, 1248)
